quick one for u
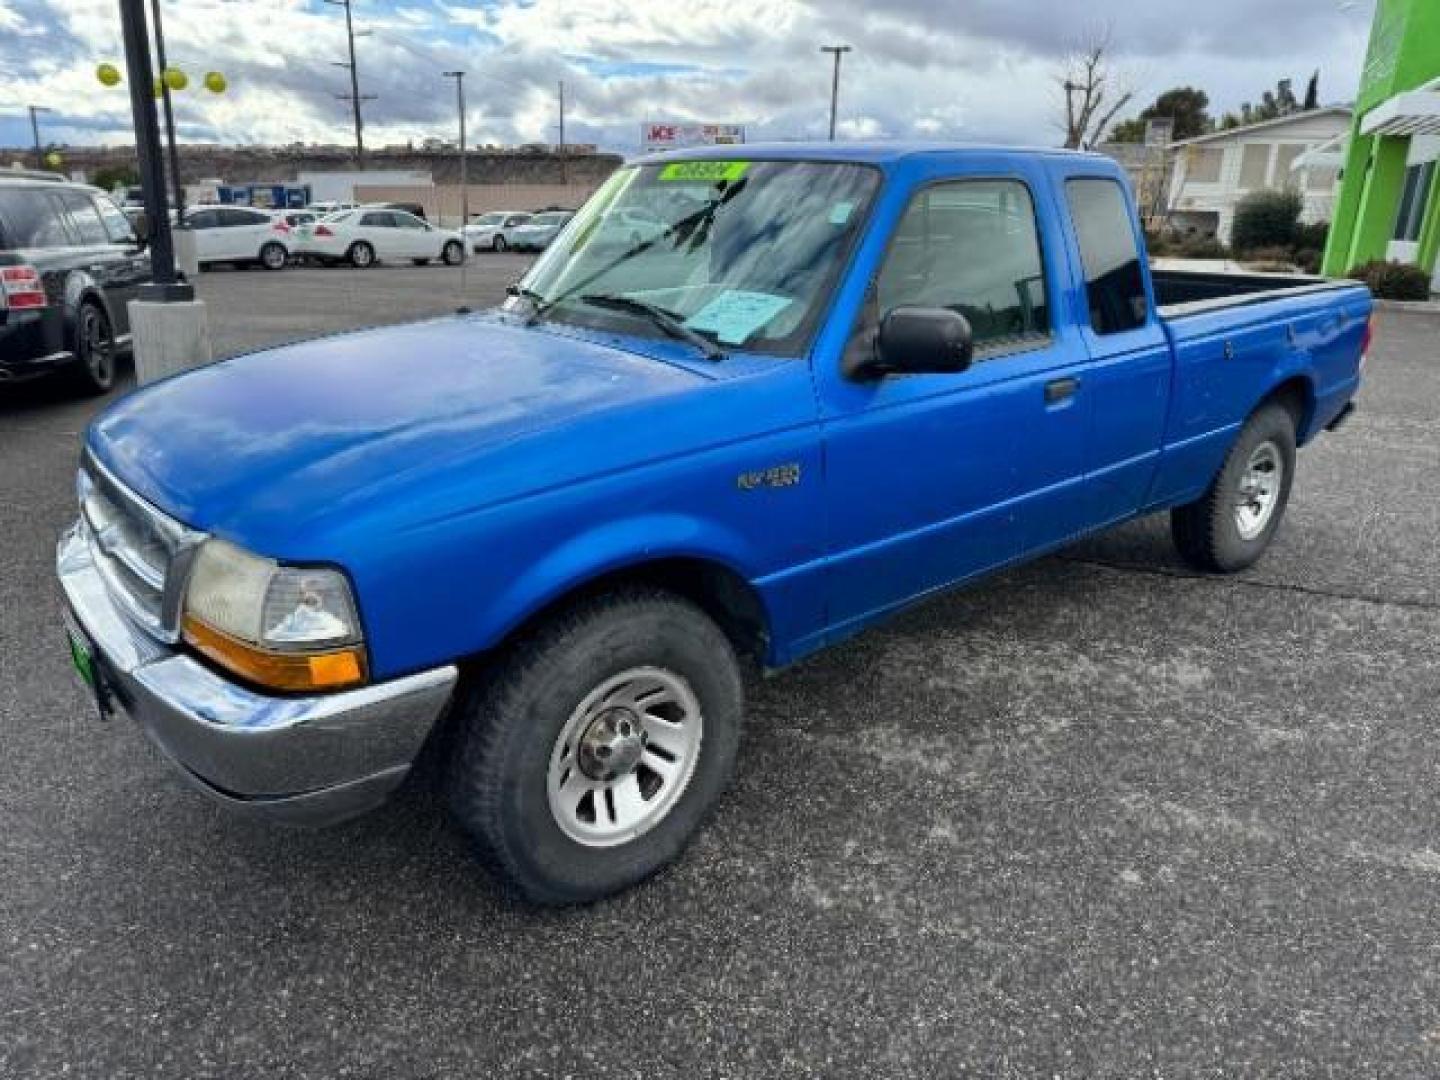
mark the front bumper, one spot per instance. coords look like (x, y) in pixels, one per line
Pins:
(303, 760)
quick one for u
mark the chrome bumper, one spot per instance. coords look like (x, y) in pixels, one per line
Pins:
(305, 760)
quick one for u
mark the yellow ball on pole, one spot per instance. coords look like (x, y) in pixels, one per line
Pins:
(215, 82)
(108, 74)
(176, 79)
(158, 89)
(54, 160)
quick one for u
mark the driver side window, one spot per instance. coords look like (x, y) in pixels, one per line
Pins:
(971, 246)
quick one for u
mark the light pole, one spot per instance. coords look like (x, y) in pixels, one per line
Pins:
(169, 113)
(838, 51)
(35, 130)
(459, 77)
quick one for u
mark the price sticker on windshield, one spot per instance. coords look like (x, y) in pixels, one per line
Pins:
(710, 172)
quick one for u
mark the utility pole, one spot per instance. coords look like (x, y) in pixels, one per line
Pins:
(35, 130)
(838, 51)
(169, 114)
(459, 77)
(564, 162)
(354, 97)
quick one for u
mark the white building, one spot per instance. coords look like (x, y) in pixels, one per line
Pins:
(1212, 173)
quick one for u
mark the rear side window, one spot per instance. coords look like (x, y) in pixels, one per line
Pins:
(32, 218)
(85, 218)
(971, 246)
(231, 219)
(203, 219)
(378, 220)
(1114, 284)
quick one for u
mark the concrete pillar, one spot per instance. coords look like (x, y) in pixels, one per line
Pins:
(168, 338)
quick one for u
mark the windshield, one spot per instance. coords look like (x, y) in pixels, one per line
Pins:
(742, 252)
(487, 219)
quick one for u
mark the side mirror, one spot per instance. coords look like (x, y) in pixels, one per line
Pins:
(143, 229)
(920, 341)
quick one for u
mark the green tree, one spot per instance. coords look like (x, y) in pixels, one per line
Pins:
(1274, 104)
(1185, 105)
(110, 177)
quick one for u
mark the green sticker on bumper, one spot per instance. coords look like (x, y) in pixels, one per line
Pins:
(707, 171)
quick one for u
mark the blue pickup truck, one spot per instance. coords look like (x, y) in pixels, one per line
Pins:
(541, 543)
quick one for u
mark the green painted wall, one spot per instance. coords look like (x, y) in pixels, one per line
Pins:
(1404, 52)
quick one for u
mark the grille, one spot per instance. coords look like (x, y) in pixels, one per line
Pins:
(141, 553)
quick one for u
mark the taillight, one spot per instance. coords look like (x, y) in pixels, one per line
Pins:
(21, 288)
(322, 230)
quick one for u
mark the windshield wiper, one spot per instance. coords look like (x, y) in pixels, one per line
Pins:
(659, 317)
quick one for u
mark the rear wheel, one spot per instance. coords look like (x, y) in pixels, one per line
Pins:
(94, 369)
(361, 255)
(1232, 524)
(498, 244)
(274, 256)
(453, 253)
(592, 754)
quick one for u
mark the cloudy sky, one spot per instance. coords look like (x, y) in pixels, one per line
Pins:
(954, 69)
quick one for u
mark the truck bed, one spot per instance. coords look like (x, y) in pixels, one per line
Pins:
(1179, 293)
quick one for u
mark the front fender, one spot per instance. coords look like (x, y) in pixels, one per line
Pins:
(612, 546)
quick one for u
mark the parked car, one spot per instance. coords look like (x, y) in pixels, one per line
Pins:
(492, 231)
(369, 235)
(547, 535)
(70, 261)
(628, 226)
(537, 233)
(298, 219)
(241, 235)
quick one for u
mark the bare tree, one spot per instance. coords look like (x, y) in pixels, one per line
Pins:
(1093, 95)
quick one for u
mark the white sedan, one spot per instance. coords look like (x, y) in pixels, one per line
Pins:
(240, 234)
(491, 232)
(365, 236)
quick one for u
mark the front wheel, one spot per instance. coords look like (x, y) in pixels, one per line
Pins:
(1232, 524)
(592, 754)
(94, 369)
(274, 256)
(453, 253)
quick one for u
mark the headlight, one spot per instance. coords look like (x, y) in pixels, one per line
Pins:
(285, 627)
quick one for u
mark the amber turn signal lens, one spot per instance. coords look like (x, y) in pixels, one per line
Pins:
(335, 669)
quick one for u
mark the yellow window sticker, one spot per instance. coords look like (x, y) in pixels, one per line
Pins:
(707, 171)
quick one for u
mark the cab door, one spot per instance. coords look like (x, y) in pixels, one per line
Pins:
(936, 478)
(1131, 357)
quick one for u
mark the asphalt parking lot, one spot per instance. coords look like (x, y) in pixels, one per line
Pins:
(1096, 817)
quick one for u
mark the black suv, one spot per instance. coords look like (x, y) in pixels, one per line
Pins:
(69, 263)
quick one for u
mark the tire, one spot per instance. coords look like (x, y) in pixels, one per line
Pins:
(531, 735)
(274, 256)
(498, 244)
(1232, 524)
(361, 255)
(93, 371)
(453, 253)
(421, 262)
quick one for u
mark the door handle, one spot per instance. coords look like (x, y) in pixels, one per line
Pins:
(1058, 390)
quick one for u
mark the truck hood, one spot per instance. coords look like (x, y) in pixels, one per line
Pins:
(272, 447)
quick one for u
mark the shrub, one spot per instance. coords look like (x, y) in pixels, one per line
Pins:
(1266, 219)
(1393, 280)
(1311, 236)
